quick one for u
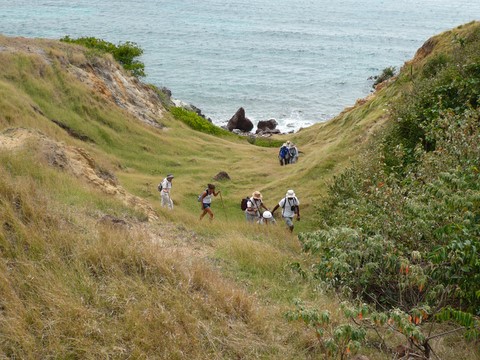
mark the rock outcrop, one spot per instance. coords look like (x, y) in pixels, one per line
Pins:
(76, 161)
(266, 125)
(240, 122)
(102, 74)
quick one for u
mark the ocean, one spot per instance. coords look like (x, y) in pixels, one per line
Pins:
(299, 62)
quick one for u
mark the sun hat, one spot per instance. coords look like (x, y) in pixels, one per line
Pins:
(267, 215)
(257, 195)
(170, 176)
(290, 194)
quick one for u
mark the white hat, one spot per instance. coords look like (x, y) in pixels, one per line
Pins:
(267, 215)
(290, 194)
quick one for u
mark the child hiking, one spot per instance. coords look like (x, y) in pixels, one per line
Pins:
(290, 208)
(267, 218)
(206, 200)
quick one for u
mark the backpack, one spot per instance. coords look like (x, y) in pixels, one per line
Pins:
(199, 199)
(159, 187)
(243, 203)
(283, 152)
(292, 207)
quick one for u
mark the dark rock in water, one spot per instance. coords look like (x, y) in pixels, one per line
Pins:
(222, 175)
(240, 122)
(265, 125)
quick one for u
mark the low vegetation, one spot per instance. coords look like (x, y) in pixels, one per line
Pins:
(400, 230)
(198, 123)
(387, 73)
(125, 53)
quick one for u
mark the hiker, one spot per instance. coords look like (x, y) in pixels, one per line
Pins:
(283, 154)
(290, 208)
(293, 151)
(252, 212)
(206, 200)
(267, 218)
(166, 186)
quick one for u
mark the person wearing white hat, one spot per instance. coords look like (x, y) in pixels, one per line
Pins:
(267, 218)
(290, 207)
(165, 192)
(252, 212)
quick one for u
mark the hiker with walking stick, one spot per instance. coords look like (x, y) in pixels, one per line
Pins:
(206, 199)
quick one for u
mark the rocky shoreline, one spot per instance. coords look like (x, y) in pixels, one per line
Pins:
(238, 123)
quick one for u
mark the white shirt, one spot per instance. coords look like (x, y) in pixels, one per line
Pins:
(207, 199)
(288, 203)
(166, 185)
(255, 204)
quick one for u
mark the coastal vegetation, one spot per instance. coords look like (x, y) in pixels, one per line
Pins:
(198, 123)
(400, 230)
(387, 251)
(126, 53)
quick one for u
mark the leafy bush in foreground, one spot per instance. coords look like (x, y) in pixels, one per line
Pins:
(446, 84)
(125, 53)
(400, 230)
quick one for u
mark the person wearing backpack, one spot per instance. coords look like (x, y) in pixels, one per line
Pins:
(293, 151)
(165, 187)
(290, 207)
(283, 155)
(206, 200)
(252, 212)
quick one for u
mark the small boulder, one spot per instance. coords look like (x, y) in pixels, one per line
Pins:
(240, 122)
(222, 175)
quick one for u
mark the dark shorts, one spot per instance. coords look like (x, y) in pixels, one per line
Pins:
(205, 205)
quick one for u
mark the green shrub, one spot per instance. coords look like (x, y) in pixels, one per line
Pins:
(448, 84)
(434, 65)
(197, 122)
(386, 74)
(125, 53)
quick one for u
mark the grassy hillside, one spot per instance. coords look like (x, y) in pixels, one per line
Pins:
(89, 272)
(84, 273)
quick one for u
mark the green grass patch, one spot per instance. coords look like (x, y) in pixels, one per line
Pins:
(198, 123)
(265, 142)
